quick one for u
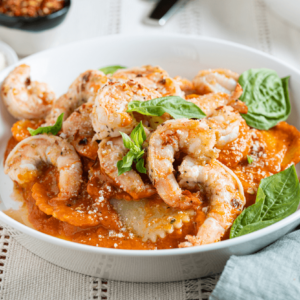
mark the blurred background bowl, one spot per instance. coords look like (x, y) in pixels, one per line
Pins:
(28, 35)
(10, 55)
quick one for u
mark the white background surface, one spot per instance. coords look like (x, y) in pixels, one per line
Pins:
(248, 22)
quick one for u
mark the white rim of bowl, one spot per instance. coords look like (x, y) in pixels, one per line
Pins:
(163, 252)
(10, 54)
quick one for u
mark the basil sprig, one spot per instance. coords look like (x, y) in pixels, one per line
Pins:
(177, 107)
(266, 96)
(134, 144)
(278, 197)
(49, 129)
(111, 69)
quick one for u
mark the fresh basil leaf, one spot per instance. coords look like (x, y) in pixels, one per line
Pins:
(138, 135)
(254, 227)
(49, 129)
(249, 215)
(121, 169)
(266, 96)
(177, 107)
(250, 159)
(282, 194)
(128, 159)
(285, 86)
(135, 154)
(139, 154)
(128, 143)
(111, 69)
(278, 197)
(140, 166)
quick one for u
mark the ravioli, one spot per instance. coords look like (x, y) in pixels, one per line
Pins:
(150, 219)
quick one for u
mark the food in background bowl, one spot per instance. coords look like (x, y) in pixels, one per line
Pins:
(135, 159)
(30, 8)
(32, 28)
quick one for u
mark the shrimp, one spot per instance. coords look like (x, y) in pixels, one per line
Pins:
(26, 99)
(234, 138)
(82, 90)
(225, 196)
(109, 114)
(194, 138)
(210, 102)
(235, 151)
(111, 150)
(152, 77)
(234, 126)
(200, 140)
(185, 85)
(217, 80)
(79, 131)
(153, 74)
(24, 162)
(228, 123)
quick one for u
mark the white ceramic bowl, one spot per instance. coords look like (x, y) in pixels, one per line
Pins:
(181, 55)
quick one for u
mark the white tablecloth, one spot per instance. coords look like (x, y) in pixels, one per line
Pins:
(26, 276)
(246, 22)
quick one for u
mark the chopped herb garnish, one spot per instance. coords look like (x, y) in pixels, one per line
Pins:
(250, 159)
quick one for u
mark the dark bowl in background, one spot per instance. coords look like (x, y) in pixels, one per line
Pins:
(36, 24)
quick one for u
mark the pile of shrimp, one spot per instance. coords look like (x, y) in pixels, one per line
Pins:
(182, 155)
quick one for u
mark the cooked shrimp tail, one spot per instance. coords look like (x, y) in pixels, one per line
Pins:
(26, 99)
(195, 139)
(225, 196)
(25, 161)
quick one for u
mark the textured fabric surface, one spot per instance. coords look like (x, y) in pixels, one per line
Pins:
(23, 275)
(258, 277)
(26, 276)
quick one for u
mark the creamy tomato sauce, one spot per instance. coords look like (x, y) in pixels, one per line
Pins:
(272, 151)
(76, 219)
(90, 218)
